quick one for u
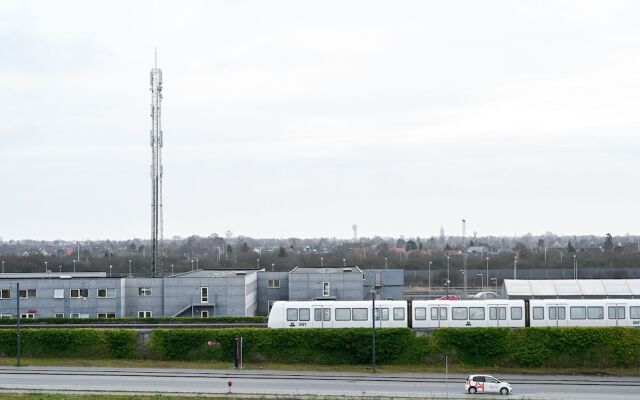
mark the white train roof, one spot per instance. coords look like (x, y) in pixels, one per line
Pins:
(551, 288)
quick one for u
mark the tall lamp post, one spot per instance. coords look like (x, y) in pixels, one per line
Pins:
(373, 325)
(74, 266)
(448, 276)
(487, 273)
(130, 269)
(110, 267)
(321, 261)
(430, 277)
(45, 267)
(515, 267)
(3, 267)
(575, 267)
(386, 264)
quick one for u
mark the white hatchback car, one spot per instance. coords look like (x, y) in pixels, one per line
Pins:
(486, 384)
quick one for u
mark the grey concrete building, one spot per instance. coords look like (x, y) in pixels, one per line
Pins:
(344, 283)
(272, 286)
(390, 283)
(199, 293)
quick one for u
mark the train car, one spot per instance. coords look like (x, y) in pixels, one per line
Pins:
(429, 314)
(338, 314)
(578, 312)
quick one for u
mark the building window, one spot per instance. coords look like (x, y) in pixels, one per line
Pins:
(107, 315)
(273, 283)
(27, 293)
(5, 294)
(144, 314)
(78, 315)
(79, 293)
(28, 315)
(204, 295)
(109, 293)
(59, 315)
(204, 314)
(58, 293)
(325, 289)
(144, 291)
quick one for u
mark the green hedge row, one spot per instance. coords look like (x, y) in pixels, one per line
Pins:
(610, 347)
(180, 320)
(77, 343)
(319, 346)
(595, 348)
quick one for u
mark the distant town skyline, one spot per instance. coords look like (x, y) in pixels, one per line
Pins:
(294, 119)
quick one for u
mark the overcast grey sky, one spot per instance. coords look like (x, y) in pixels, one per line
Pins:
(302, 118)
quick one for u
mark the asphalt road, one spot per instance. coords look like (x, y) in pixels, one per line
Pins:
(182, 381)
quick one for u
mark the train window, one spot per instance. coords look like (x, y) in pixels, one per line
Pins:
(443, 314)
(516, 313)
(578, 312)
(385, 314)
(503, 312)
(493, 313)
(434, 313)
(476, 313)
(305, 314)
(634, 312)
(360, 314)
(459, 313)
(398, 314)
(595, 312)
(538, 312)
(343, 314)
(421, 313)
(292, 314)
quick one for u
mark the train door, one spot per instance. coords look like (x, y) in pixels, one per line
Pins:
(322, 317)
(616, 314)
(497, 315)
(438, 316)
(557, 314)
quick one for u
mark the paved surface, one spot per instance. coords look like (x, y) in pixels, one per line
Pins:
(185, 381)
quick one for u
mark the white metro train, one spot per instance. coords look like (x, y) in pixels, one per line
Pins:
(429, 314)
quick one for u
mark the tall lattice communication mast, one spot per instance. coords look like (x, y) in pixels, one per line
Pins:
(156, 170)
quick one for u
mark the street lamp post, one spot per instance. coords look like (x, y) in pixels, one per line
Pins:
(74, 266)
(464, 278)
(3, 267)
(344, 262)
(191, 265)
(386, 264)
(197, 266)
(45, 267)
(171, 269)
(575, 267)
(515, 267)
(130, 269)
(430, 277)
(60, 268)
(321, 261)
(110, 267)
(273, 267)
(373, 325)
(258, 263)
(448, 276)
(446, 284)
(487, 273)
